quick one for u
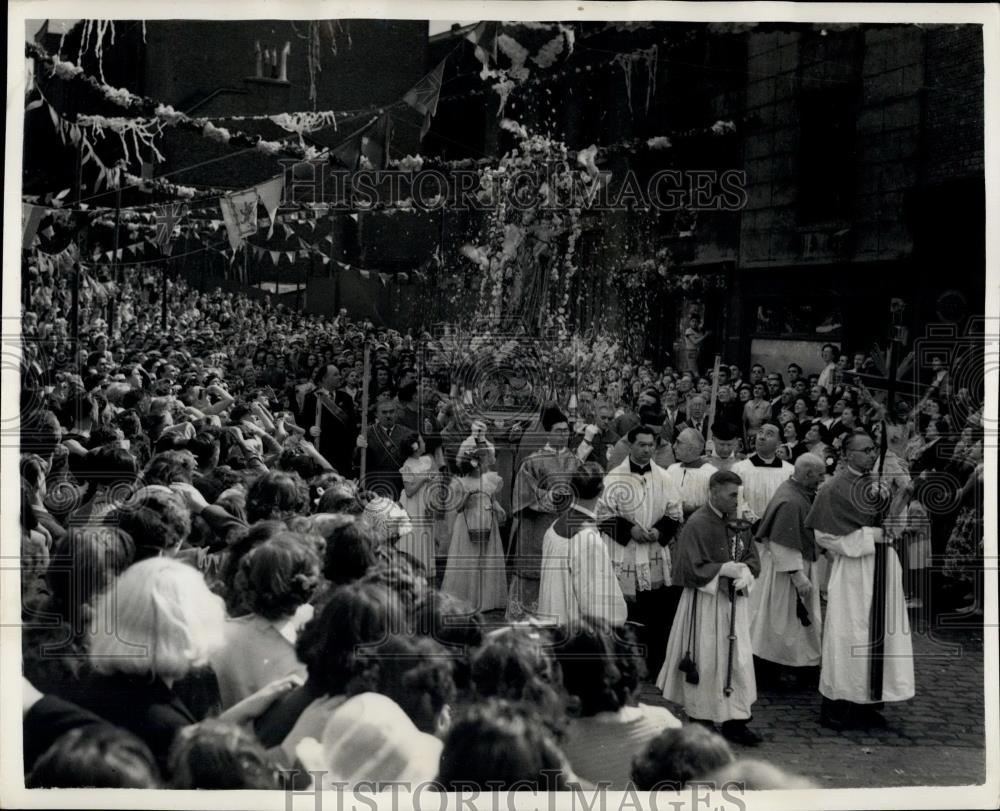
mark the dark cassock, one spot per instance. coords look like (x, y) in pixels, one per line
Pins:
(541, 492)
(385, 456)
(335, 415)
(701, 628)
(861, 665)
(784, 628)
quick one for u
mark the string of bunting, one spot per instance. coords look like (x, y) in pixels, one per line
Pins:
(422, 97)
(271, 191)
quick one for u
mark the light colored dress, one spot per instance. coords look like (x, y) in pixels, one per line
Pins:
(476, 572)
(420, 542)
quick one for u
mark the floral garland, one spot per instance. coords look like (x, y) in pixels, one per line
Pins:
(164, 114)
(527, 251)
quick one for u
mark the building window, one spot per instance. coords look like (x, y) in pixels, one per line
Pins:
(808, 318)
(827, 154)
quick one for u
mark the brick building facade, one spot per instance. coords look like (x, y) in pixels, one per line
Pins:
(863, 153)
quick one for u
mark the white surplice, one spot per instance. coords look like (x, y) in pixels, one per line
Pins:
(642, 500)
(759, 487)
(692, 484)
(578, 580)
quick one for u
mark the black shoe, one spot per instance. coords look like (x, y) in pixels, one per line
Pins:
(873, 719)
(835, 721)
(739, 732)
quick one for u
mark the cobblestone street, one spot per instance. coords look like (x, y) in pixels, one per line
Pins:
(936, 739)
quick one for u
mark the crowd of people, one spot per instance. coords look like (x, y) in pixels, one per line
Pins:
(234, 576)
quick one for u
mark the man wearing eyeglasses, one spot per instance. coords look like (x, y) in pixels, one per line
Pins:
(867, 651)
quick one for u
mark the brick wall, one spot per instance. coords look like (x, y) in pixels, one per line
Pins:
(919, 122)
(953, 126)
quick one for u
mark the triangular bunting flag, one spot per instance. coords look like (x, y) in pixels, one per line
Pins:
(326, 260)
(118, 254)
(354, 216)
(132, 249)
(365, 274)
(384, 277)
(423, 96)
(270, 196)
(348, 154)
(403, 277)
(328, 238)
(31, 216)
(303, 254)
(288, 230)
(291, 256)
(239, 211)
(375, 145)
(275, 256)
(484, 37)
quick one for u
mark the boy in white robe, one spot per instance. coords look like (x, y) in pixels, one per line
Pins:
(578, 582)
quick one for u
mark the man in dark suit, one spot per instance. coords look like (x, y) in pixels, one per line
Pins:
(672, 416)
(328, 413)
(386, 448)
(696, 416)
(727, 407)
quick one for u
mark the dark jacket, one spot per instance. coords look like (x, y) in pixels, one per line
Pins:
(143, 705)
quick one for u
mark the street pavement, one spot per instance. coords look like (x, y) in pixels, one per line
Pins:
(936, 739)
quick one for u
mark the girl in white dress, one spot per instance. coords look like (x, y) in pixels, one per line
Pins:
(476, 570)
(418, 472)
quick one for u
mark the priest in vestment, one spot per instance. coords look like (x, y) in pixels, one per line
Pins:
(640, 512)
(716, 564)
(542, 491)
(578, 582)
(690, 474)
(867, 654)
(786, 623)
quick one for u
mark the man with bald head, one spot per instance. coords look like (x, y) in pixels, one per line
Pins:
(696, 416)
(690, 473)
(785, 624)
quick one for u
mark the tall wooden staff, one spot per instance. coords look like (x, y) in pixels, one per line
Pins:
(715, 394)
(364, 408)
